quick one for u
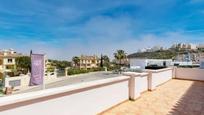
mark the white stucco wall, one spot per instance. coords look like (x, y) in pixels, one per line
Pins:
(142, 63)
(182, 63)
(138, 83)
(51, 78)
(158, 77)
(138, 63)
(141, 85)
(190, 73)
(5, 61)
(24, 81)
(90, 101)
(149, 80)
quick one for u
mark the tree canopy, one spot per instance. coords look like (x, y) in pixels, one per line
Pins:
(119, 55)
(60, 64)
(23, 63)
(76, 60)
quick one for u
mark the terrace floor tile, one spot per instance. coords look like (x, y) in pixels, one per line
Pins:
(176, 97)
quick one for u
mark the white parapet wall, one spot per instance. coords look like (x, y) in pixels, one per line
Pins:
(158, 77)
(190, 73)
(87, 98)
(17, 81)
(51, 77)
(138, 84)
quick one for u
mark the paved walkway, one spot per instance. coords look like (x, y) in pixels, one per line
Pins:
(176, 97)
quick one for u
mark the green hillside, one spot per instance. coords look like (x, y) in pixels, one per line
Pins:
(163, 54)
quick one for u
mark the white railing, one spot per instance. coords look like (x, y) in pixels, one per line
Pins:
(149, 80)
(158, 77)
(138, 84)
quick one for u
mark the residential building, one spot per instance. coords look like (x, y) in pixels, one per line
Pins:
(193, 57)
(48, 64)
(139, 61)
(88, 62)
(156, 48)
(49, 67)
(200, 47)
(143, 63)
(149, 49)
(184, 46)
(201, 55)
(7, 61)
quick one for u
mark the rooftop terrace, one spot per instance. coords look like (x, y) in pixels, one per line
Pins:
(176, 97)
(152, 92)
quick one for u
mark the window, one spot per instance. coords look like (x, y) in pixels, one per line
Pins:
(93, 61)
(10, 60)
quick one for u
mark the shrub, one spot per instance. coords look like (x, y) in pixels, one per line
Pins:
(114, 67)
(96, 69)
(50, 69)
(1, 91)
(73, 71)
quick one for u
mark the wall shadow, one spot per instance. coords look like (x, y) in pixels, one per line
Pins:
(192, 102)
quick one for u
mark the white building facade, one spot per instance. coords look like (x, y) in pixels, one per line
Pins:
(88, 62)
(142, 63)
(7, 61)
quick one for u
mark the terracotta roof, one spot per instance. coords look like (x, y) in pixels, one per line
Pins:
(9, 55)
(89, 57)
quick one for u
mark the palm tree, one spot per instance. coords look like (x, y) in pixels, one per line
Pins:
(76, 60)
(120, 55)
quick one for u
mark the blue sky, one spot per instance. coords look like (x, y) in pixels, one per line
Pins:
(65, 28)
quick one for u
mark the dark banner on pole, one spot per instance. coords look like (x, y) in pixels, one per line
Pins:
(37, 69)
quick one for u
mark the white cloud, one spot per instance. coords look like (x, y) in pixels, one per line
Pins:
(102, 27)
(73, 47)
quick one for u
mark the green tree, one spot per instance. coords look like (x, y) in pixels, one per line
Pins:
(106, 60)
(120, 55)
(60, 64)
(23, 63)
(76, 60)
